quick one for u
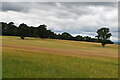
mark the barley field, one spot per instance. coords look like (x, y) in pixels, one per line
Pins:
(52, 58)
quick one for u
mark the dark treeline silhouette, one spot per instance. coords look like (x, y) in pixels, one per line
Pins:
(9, 29)
(103, 35)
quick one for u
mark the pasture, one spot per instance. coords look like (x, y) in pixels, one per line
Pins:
(52, 58)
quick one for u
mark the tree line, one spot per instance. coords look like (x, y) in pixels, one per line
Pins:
(23, 30)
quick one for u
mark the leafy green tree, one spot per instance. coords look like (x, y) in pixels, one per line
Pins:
(32, 31)
(66, 36)
(42, 31)
(87, 38)
(23, 30)
(9, 29)
(50, 34)
(4, 28)
(103, 35)
(78, 38)
(12, 29)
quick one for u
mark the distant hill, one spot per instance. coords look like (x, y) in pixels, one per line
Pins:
(117, 43)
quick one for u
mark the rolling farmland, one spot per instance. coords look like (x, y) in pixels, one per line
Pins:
(52, 58)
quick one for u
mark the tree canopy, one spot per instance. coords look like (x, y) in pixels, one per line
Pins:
(103, 35)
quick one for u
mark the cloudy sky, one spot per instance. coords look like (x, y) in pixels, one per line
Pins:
(77, 18)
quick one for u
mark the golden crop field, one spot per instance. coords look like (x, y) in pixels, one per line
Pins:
(52, 58)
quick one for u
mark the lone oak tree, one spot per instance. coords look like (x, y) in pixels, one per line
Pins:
(103, 35)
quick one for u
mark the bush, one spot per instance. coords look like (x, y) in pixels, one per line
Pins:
(22, 37)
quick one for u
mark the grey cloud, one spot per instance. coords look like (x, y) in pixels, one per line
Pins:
(73, 17)
(13, 6)
(20, 6)
(62, 9)
(25, 6)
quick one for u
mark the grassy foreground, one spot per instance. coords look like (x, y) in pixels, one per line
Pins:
(50, 58)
